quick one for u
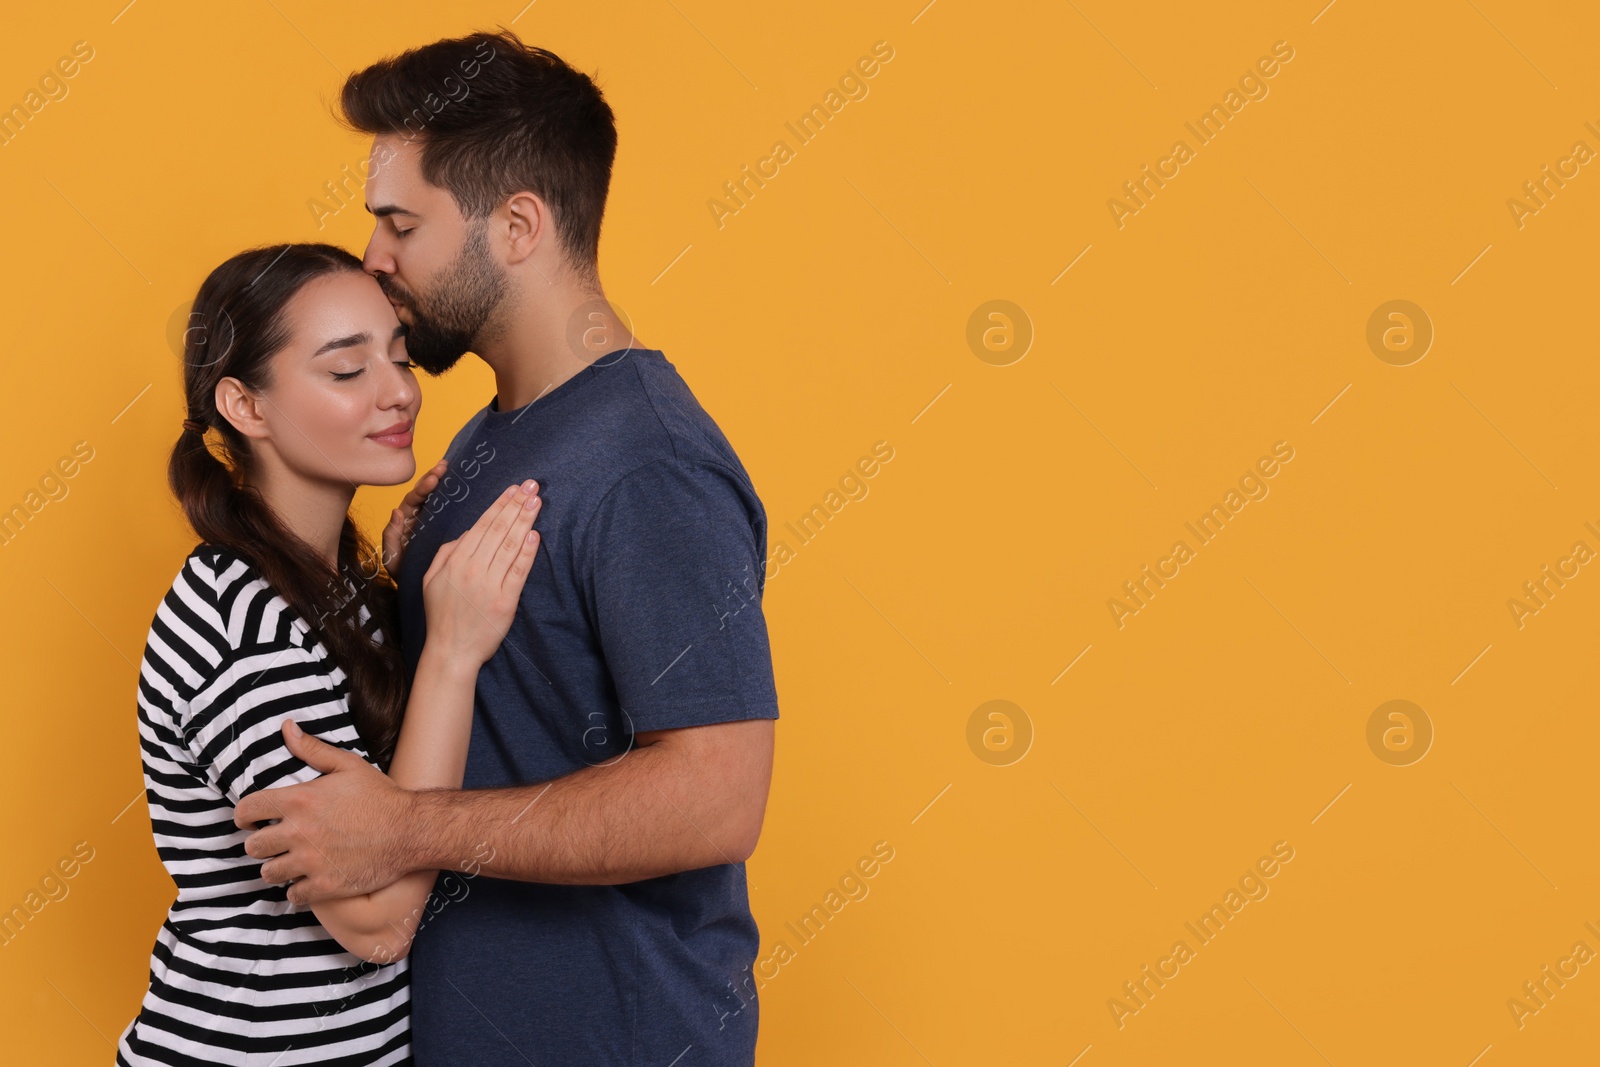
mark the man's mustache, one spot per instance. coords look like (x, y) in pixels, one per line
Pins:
(394, 292)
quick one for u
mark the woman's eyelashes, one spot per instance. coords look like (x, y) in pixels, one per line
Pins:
(344, 376)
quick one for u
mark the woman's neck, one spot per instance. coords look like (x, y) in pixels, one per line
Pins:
(313, 511)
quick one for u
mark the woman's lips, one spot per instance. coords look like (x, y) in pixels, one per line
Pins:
(398, 439)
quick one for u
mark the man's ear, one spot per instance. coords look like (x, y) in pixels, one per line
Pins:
(523, 223)
(240, 407)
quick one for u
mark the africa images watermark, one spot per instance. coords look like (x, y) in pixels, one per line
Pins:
(1538, 592)
(1538, 192)
(1252, 886)
(852, 86)
(1252, 486)
(53, 887)
(852, 486)
(349, 188)
(1537, 993)
(852, 887)
(1252, 85)
(52, 487)
(52, 87)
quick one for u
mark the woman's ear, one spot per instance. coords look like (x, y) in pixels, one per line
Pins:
(240, 407)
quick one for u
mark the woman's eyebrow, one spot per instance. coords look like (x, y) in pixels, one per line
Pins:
(355, 340)
(352, 341)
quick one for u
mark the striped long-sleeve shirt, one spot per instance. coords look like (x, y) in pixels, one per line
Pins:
(239, 975)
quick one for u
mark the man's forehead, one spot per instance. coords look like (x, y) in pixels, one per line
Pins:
(391, 179)
(396, 155)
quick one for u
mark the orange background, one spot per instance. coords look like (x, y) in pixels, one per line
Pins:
(1229, 313)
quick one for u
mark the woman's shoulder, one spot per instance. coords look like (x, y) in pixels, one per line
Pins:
(216, 568)
(221, 594)
(216, 613)
(242, 595)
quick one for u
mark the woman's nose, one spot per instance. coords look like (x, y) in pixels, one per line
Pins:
(402, 390)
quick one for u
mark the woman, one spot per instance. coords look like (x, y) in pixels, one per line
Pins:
(280, 617)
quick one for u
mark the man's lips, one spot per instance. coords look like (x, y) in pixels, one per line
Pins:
(396, 436)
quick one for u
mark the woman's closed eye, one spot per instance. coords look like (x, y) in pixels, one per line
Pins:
(344, 376)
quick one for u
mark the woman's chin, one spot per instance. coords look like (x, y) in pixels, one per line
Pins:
(400, 469)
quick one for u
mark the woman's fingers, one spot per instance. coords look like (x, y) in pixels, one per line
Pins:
(440, 558)
(523, 564)
(513, 541)
(424, 485)
(404, 517)
(474, 536)
(503, 517)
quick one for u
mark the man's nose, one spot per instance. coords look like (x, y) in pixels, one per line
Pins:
(375, 260)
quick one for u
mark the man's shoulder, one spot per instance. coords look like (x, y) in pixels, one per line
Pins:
(676, 425)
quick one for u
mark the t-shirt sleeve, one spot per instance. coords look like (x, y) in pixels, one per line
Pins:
(233, 721)
(674, 573)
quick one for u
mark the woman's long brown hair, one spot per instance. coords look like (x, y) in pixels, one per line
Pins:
(236, 325)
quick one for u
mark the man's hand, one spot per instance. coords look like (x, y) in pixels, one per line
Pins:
(338, 835)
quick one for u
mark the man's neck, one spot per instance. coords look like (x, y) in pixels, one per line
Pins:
(535, 353)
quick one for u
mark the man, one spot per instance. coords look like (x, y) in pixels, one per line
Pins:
(622, 739)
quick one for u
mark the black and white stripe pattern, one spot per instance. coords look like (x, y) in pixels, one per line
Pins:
(238, 974)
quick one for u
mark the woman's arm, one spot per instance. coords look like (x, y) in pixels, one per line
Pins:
(470, 593)
(431, 753)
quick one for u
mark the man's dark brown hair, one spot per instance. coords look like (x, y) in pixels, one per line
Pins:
(493, 117)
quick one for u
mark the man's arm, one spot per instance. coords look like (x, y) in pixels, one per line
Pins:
(678, 800)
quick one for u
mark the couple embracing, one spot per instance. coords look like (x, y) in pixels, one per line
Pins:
(480, 793)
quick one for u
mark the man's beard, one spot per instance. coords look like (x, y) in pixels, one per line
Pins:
(446, 322)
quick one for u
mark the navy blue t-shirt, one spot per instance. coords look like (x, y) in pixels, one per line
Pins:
(643, 612)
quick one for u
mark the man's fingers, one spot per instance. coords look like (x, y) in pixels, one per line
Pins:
(314, 751)
(268, 841)
(280, 869)
(310, 890)
(255, 808)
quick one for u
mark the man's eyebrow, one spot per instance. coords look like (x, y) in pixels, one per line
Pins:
(389, 209)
